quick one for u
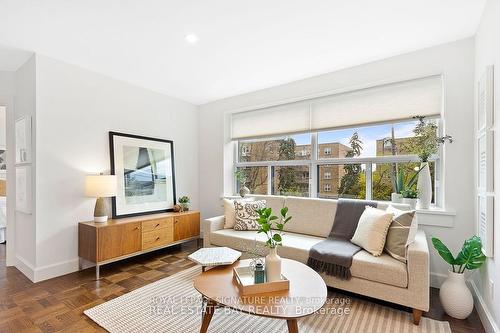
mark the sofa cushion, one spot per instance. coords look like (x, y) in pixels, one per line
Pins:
(295, 246)
(274, 202)
(383, 269)
(246, 214)
(310, 216)
(230, 211)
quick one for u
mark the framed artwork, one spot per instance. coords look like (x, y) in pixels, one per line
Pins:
(3, 162)
(145, 173)
(23, 189)
(23, 140)
(485, 162)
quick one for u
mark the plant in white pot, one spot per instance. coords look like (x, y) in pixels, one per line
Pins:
(400, 184)
(273, 227)
(242, 179)
(410, 197)
(425, 144)
(454, 294)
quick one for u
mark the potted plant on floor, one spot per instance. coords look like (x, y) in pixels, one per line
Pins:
(455, 297)
(426, 143)
(273, 227)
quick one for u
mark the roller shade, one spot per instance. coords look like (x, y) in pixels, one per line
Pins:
(384, 103)
(389, 102)
(277, 120)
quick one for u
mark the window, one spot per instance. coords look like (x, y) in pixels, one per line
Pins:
(349, 144)
(359, 163)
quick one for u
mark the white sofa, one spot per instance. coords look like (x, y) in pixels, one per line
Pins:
(380, 277)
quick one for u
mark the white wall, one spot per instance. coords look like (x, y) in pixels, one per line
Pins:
(488, 53)
(26, 224)
(75, 110)
(454, 60)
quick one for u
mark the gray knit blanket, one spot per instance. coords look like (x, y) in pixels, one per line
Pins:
(333, 256)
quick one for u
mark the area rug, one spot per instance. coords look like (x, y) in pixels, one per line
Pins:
(173, 305)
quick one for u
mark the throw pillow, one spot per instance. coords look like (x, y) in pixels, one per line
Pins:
(372, 230)
(230, 212)
(401, 233)
(246, 214)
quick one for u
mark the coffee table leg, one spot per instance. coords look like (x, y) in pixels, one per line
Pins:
(292, 326)
(207, 315)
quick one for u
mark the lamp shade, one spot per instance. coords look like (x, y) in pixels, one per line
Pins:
(100, 186)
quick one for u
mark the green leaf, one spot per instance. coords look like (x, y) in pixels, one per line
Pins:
(280, 226)
(261, 220)
(443, 251)
(266, 227)
(269, 211)
(471, 255)
(273, 218)
(287, 219)
(277, 237)
(284, 211)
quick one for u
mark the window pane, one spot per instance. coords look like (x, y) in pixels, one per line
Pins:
(291, 180)
(255, 179)
(295, 147)
(341, 181)
(368, 141)
(384, 175)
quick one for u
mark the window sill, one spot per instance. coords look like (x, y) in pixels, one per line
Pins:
(436, 217)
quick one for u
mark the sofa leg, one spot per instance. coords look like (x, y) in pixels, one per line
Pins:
(417, 314)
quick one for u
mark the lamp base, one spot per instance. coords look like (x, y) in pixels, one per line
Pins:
(100, 219)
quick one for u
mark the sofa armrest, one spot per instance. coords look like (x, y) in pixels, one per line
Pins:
(418, 271)
(210, 225)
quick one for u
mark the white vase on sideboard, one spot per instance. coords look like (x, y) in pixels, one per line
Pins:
(455, 296)
(273, 265)
(424, 186)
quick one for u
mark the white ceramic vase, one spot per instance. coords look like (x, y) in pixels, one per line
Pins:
(244, 191)
(424, 186)
(455, 297)
(273, 266)
(396, 197)
(411, 202)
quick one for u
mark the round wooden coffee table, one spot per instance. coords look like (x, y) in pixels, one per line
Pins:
(306, 295)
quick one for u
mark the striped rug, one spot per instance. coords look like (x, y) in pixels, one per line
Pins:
(173, 305)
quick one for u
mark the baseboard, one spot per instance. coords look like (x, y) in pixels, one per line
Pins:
(437, 279)
(25, 267)
(487, 319)
(54, 270)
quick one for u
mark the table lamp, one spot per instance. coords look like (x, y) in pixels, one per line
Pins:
(100, 187)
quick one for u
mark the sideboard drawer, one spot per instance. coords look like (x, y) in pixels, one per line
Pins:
(157, 238)
(157, 224)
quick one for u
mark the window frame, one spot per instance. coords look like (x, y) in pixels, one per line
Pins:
(314, 162)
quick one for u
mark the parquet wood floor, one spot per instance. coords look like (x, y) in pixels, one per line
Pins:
(57, 305)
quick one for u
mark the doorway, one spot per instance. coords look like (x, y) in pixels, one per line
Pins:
(3, 188)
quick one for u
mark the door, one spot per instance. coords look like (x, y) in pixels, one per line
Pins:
(186, 226)
(118, 240)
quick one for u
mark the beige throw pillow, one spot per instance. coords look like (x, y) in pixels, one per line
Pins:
(372, 230)
(401, 233)
(246, 214)
(230, 213)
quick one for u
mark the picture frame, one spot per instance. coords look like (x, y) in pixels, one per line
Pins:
(485, 166)
(23, 189)
(485, 98)
(145, 170)
(485, 212)
(23, 140)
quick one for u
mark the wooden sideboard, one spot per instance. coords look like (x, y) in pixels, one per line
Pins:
(117, 239)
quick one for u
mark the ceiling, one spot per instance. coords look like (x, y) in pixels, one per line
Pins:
(243, 45)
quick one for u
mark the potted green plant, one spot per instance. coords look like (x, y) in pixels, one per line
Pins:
(410, 197)
(273, 227)
(401, 185)
(242, 179)
(184, 203)
(455, 297)
(426, 143)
